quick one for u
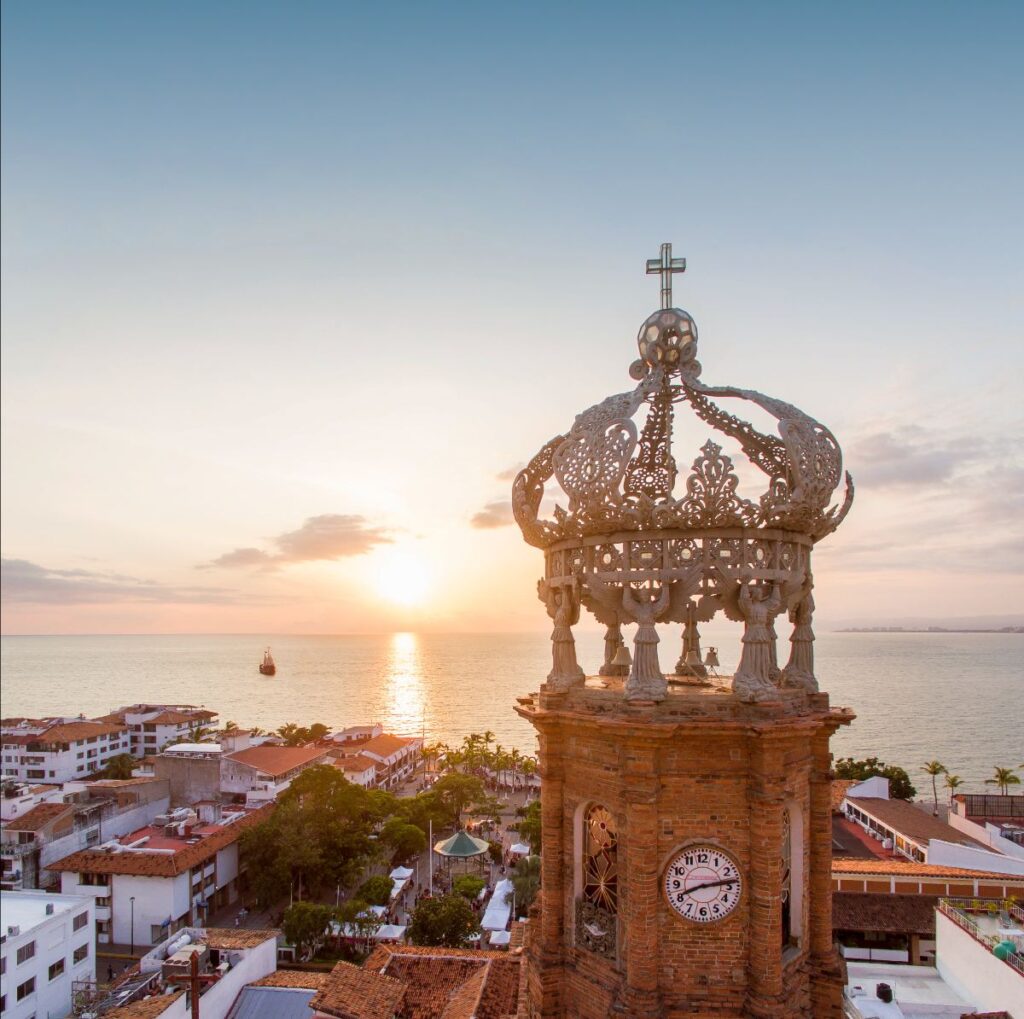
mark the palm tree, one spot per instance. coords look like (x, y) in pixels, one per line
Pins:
(1004, 778)
(934, 768)
(514, 760)
(953, 782)
(230, 726)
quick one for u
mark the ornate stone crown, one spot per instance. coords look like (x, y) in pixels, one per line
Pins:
(632, 542)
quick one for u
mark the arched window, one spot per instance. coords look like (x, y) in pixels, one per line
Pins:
(600, 859)
(787, 878)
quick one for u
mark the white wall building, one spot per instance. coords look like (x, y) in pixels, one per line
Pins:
(58, 750)
(262, 773)
(162, 877)
(152, 726)
(47, 944)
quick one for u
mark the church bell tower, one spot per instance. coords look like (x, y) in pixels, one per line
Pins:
(686, 857)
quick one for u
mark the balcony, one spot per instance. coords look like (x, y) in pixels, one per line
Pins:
(17, 849)
(991, 923)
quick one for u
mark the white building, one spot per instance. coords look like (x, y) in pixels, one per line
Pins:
(58, 750)
(87, 813)
(152, 726)
(359, 770)
(47, 944)
(357, 733)
(261, 774)
(19, 798)
(396, 756)
(165, 876)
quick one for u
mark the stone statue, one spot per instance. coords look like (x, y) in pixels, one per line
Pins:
(799, 671)
(563, 606)
(612, 643)
(646, 681)
(752, 682)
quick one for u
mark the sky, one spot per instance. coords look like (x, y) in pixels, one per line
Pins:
(290, 291)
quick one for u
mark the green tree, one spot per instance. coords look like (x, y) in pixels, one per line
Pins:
(375, 890)
(448, 922)
(900, 786)
(953, 782)
(468, 886)
(934, 768)
(305, 924)
(526, 882)
(1004, 778)
(529, 826)
(405, 840)
(119, 767)
(316, 732)
(356, 915)
(230, 726)
(455, 793)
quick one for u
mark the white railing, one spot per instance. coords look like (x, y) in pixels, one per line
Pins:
(959, 911)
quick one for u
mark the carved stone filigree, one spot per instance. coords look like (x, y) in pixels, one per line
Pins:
(595, 929)
(652, 472)
(711, 499)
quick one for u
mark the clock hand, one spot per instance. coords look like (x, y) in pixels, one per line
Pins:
(709, 884)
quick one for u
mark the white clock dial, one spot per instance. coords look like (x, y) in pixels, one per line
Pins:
(703, 883)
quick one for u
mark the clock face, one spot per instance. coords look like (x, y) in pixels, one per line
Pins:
(703, 883)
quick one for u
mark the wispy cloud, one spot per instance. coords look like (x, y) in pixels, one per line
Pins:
(510, 473)
(494, 514)
(912, 456)
(326, 537)
(25, 582)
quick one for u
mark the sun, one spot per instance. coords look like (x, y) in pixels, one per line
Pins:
(401, 576)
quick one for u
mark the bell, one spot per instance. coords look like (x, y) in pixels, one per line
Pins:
(711, 661)
(692, 659)
(622, 657)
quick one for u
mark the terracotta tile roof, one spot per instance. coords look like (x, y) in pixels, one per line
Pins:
(310, 980)
(354, 993)
(385, 744)
(451, 983)
(913, 822)
(178, 717)
(38, 817)
(72, 732)
(237, 937)
(95, 861)
(839, 790)
(356, 764)
(908, 868)
(896, 914)
(145, 1008)
(119, 783)
(276, 760)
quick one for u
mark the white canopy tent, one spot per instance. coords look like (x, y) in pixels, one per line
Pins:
(519, 849)
(500, 938)
(499, 909)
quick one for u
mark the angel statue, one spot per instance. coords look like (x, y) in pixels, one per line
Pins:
(646, 682)
(612, 643)
(752, 681)
(799, 671)
(563, 605)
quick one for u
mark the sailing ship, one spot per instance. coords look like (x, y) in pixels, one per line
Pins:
(267, 666)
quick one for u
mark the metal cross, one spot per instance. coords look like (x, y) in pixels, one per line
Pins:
(664, 267)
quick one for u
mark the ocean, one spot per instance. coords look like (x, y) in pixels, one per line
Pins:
(918, 696)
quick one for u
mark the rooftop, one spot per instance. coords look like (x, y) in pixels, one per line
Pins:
(163, 855)
(145, 1008)
(272, 1002)
(897, 914)
(912, 986)
(59, 731)
(359, 763)
(386, 744)
(912, 822)
(271, 760)
(38, 817)
(28, 909)
(900, 867)
(310, 980)
(354, 993)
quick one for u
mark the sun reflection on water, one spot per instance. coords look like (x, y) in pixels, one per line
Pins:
(405, 700)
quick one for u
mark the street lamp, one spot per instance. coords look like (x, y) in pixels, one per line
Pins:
(131, 902)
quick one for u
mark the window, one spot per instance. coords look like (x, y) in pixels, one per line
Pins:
(787, 878)
(26, 952)
(27, 988)
(80, 953)
(80, 921)
(80, 754)
(600, 859)
(56, 969)
(102, 900)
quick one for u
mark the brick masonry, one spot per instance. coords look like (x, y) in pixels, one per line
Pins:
(699, 766)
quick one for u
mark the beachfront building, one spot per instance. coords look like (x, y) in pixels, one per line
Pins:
(357, 733)
(163, 876)
(86, 813)
(151, 727)
(396, 757)
(359, 770)
(995, 821)
(260, 774)
(17, 798)
(58, 750)
(47, 946)
(906, 830)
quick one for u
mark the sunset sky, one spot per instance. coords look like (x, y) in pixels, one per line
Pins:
(291, 290)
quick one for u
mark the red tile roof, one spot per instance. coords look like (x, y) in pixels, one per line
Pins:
(276, 760)
(354, 993)
(98, 861)
(909, 868)
(896, 914)
(385, 744)
(357, 764)
(145, 1008)
(71, 732)
(227, 938)
(309, 980)
(38, 817)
